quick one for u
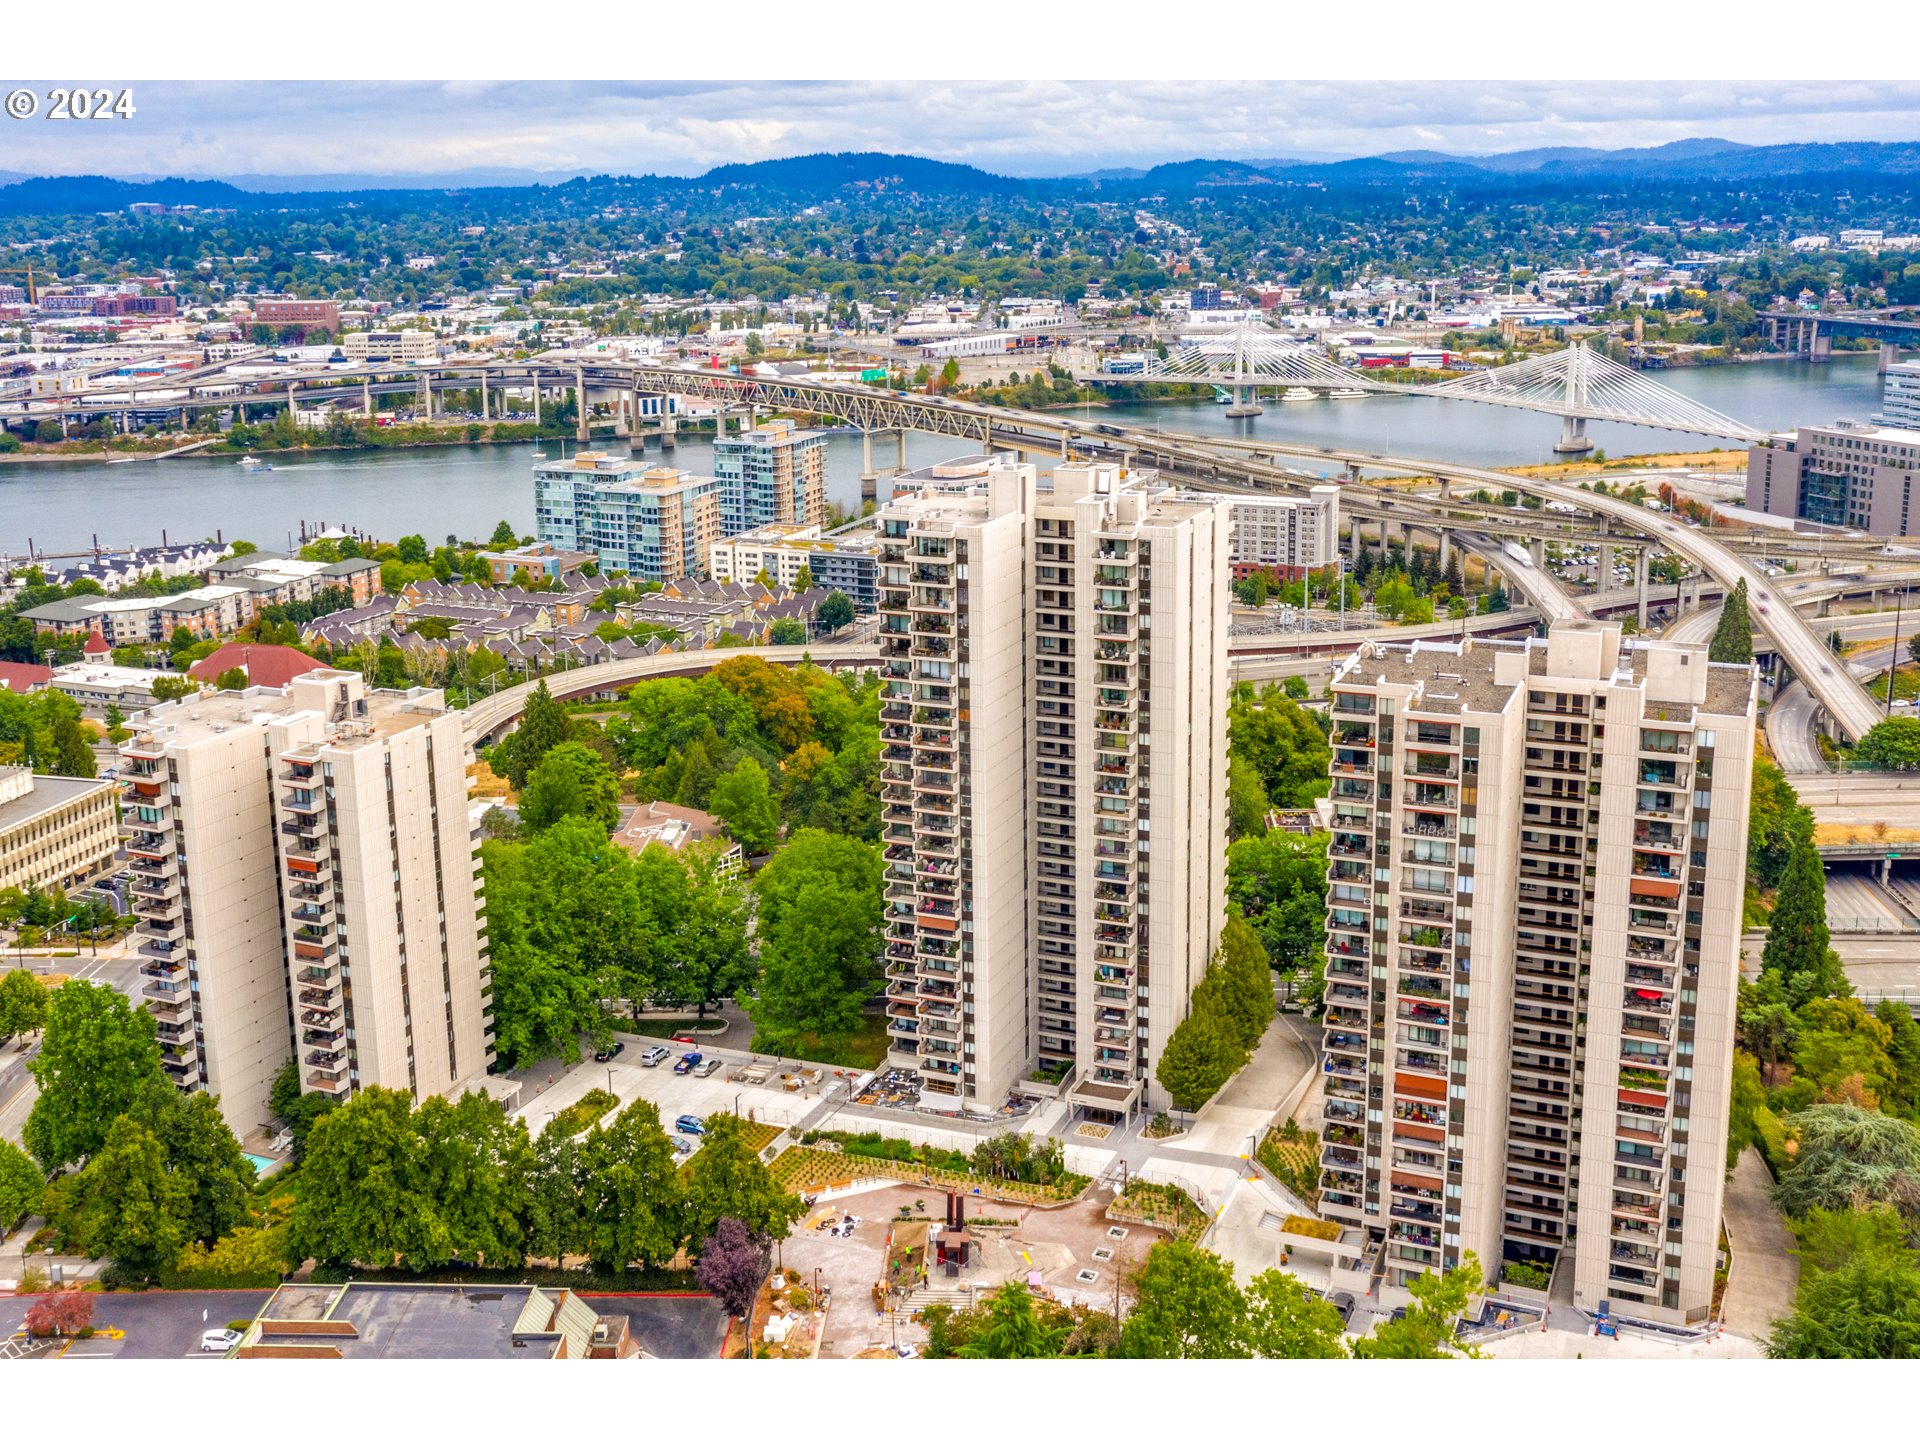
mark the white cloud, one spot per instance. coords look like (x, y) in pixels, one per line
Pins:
(1018, 127)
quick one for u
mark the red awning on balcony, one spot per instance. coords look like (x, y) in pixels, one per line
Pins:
(1425, 1087)
(1664, 889)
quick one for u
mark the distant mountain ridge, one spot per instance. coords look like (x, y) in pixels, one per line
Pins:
(868, 173)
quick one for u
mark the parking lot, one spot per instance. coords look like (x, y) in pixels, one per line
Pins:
(771, 1102)
(154, 1324)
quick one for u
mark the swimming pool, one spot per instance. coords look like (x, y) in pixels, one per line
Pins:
(262, 1163)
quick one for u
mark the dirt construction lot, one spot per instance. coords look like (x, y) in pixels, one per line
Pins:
(1060, 1244)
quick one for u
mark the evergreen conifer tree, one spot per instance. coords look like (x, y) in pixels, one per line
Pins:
(1733, 638)
(1797, 938)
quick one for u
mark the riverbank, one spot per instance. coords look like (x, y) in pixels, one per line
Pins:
(1665, 460)
(144, 448)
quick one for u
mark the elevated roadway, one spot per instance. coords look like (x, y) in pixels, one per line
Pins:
(1853, 710)
(1252, 657)
(1204, 463)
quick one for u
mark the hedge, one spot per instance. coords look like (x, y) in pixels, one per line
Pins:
(1770, 1137)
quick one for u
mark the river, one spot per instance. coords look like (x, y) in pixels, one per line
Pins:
(466, 489)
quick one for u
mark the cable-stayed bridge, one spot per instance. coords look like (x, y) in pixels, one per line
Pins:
(1579, 384)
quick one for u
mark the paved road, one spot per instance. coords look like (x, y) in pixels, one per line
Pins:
(1794, 714)
(1856, 901)
(1876, 964)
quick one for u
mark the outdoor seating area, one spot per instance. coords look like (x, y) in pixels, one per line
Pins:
(891, 1090)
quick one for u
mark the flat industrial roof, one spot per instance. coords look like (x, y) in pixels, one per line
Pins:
(49, 793)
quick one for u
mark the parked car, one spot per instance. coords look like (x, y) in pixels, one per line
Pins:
(687, 1061)
(611, 1051)
(707, 1067)
(690, 1125)
(219, 1342)
(1344, 1302)
(653, 1055)
(683, 1147)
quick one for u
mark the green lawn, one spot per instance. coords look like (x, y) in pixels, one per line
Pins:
(865, 1049)
(661, 1029)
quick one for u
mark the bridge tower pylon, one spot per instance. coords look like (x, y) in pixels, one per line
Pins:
(1246, 403)
(1573, 425)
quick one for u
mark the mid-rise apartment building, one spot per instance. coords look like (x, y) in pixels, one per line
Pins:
(1848, 473)
(1537, 866)
(1053, 777)
(318, 314)
(406, 346)
(847, 561)
(1900, 395)
(306, 882)
(773, 473)
(56, 831)
(1286, 535)
(652, 522)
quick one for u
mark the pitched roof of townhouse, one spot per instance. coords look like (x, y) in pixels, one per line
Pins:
(20, 677)
(269, 665)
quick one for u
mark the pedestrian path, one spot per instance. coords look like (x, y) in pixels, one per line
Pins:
(1765, 1274)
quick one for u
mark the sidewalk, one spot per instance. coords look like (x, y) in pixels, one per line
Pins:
(1250, 1102)
(1765, 1276)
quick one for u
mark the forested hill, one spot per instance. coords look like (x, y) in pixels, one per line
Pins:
(871, 175)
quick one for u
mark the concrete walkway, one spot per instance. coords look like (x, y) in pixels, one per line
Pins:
(1765, 1275)
(1249, 1102)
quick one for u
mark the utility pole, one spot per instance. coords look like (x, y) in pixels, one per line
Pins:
(1893, 666)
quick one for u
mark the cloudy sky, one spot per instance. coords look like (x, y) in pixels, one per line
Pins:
(1014, 127)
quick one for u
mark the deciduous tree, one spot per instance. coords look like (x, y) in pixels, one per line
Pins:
(21, 1185)
(727, 1178)
(1426, 1331)
(733, 1266)
(630, 1204)
(126, 1202)
(820, 909)
(1186, 1308)
(96, 1056)
(1287, 1321)
(743, 799)
(570, 780)
(23, 1004)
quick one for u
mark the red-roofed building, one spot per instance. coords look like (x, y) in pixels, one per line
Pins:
(20, 678)
(269, 665)
(96, 645)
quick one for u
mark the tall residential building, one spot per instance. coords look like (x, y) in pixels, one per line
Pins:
(306, 882)
(1848, 473)
(1053, 777)
(651, 522)
(773, 473)
(1538, 861)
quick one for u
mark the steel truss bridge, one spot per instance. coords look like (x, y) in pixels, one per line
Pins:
(1579, 384)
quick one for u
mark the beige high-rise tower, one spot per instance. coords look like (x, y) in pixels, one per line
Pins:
(1053, 776)
(1537, 868)
(306, 880)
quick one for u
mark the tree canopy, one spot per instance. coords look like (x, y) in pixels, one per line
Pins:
(97, 1055)
(819, 932)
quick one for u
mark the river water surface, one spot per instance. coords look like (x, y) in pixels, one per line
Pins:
(465, 490)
